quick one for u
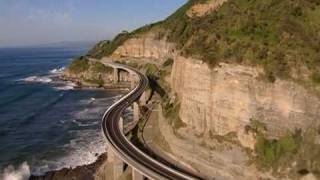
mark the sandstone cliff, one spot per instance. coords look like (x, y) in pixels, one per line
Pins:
(203, 9)
(146, 46)
(229, 96)
(225, 99)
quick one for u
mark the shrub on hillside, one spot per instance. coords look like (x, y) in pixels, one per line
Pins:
(79, 65)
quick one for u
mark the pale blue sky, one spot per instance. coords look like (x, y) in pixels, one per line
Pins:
(31, 22)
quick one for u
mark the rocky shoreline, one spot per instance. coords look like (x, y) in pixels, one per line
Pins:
(84, 172)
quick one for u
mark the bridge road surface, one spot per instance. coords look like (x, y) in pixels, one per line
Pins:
(140, 161)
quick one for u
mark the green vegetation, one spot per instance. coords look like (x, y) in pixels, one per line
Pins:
(299, 148)
(99, 82)
(230, 137)
(171, 112)
(105, 48)
(98, 67)
(270, 151)
(79, 65)
(168, 62)
(151, 69)
(281, 36)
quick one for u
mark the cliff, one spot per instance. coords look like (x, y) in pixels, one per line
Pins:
(88, 73)
(237, 63)
(227, 98)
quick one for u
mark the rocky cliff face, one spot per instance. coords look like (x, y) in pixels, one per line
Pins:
(146, 46)
(95, 74)
(225, 99)
(203, 9)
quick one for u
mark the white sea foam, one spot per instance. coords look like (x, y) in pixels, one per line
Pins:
(37, 79)
(84, 124)
(64, 88)
(49, 78)
(84, 146)
(57, 70)
(81, 151)
(21, 173)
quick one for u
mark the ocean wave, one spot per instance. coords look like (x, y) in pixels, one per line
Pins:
(57, 70)
(82, 150)
(64, 86)
(27, 119)
(53, 79)
(14, 99)
(37, 79)
(85, 124)
(21, 173)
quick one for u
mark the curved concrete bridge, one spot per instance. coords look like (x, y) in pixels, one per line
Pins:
(121, 150)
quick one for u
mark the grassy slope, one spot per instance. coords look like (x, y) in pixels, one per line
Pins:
(282, 36)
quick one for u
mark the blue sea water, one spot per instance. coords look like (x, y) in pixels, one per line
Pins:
(44, 121)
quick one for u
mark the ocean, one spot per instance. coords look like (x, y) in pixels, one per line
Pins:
(45, 123)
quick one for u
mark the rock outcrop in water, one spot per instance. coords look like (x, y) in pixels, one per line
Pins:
(85, 172)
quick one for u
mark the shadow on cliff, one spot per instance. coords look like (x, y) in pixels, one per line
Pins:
(155, 87)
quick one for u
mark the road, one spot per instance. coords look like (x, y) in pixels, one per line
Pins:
(128, 152)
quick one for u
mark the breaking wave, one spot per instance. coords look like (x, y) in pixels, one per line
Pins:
(21, 173)
(51, 78)
(57, 70)
(37, 79)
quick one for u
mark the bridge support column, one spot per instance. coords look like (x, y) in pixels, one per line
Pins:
(115, 75)
(143, 99)
(118, 164)
(132, 80)
(136, 175)
(135, 112)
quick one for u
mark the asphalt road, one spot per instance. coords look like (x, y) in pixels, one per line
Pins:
(128, 152)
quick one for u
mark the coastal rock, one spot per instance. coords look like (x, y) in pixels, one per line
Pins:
(85, 172)
(98, 76)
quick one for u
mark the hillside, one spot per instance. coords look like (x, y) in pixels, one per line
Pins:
(281, 36)
(239, 71)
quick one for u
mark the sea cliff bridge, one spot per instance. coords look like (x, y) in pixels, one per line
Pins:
(120, 150)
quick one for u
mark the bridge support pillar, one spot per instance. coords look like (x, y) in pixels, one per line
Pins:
(118, 164)
(132, 80)
(143, 99)
(115, 75)
(135, 112)
(136, 175)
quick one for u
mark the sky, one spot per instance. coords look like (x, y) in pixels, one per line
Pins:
(33, 22)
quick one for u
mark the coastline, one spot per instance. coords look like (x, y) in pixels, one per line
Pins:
(84, 172)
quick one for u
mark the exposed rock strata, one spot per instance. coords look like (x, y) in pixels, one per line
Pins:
(199, 10)
(147, 46)
(92, 78)
(226, 98)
